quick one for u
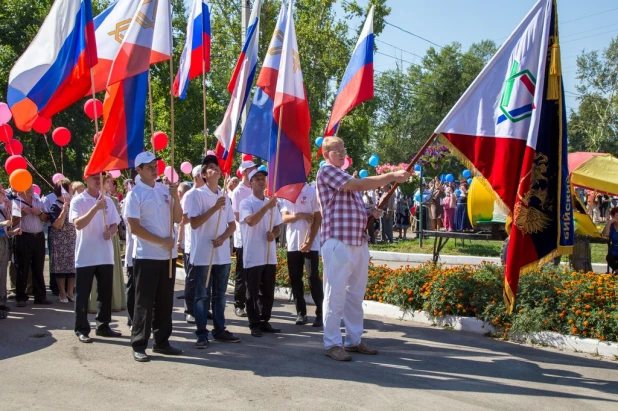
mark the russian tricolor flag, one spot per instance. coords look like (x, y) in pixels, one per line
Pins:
(195, 58)
(54, 71)
(357, 83)
(256, 135)
(241, 81)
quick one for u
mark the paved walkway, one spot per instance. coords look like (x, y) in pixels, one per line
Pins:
(43, 366)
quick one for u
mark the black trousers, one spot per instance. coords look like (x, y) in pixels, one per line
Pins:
(240, 282)
(260, 294)
(189, 285)
(612, 261)
(130, 292)
(30, 255)
(310, 260)
(154, 301)
(83, 285)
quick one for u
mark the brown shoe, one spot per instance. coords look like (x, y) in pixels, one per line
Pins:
(362, 348)
(338, 354)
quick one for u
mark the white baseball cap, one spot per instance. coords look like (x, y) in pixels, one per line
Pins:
(197, 170)
(246, 165)
(145, 158)
(256, 171)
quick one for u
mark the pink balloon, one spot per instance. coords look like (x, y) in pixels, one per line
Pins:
(186, 167)
(37, 189)
(115, 173)
(14, 147)
(57, 177)
(171, 174)
(5, 113)
(346, 163)
(210, 153)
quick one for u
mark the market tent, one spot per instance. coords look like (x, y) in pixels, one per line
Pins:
(599, 172)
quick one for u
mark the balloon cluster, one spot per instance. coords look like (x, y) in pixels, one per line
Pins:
(15, 165)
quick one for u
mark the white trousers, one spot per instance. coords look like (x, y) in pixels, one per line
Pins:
(345, 281)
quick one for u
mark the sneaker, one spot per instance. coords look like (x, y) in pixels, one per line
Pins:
(4, 308)
(240, 312)
(140, 356)
(226, 336)
(318, 322)
(190, 319)
(63, 300)
(337, 353)
(301, 319)
(202, 343)
(362, 348)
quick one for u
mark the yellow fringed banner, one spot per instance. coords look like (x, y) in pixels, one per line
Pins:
(554, 82)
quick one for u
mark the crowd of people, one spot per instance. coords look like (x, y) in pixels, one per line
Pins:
(208, 224)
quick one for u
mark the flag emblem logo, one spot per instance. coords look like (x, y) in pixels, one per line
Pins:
(516, 102)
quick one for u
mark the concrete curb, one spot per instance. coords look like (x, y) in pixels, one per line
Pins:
(406, 258)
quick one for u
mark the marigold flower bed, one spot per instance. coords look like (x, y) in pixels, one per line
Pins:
(550, 299)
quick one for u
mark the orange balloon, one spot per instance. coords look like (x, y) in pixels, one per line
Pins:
(21, 180)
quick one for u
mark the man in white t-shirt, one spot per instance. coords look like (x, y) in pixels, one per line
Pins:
(96, 220)
(240, 279)
(189, 293)
(149, 212)
(303, 219)
(212, 225)
(260, 219)
(128, 253)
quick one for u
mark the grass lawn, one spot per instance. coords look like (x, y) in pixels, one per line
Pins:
(477, 248)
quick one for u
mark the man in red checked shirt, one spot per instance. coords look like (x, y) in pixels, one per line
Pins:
(345, 250)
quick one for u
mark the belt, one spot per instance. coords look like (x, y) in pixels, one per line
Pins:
(33, 234)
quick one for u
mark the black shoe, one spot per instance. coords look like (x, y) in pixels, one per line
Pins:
(240, 312)
(255, 332)
(202, 343)
(11, 296)
(318, 322)
(169, 350)
(140, 356)
(209, 316)
(43, 302)
(301, 319)
(226, 336)
(267, 328)
(83, 338)
(21, 303)
(4, 308)
(107, 332)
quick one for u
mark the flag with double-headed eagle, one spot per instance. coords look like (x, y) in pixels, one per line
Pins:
(510, 128)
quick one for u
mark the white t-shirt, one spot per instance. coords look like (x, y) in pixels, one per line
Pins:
(307, 202)
(128, 255)
(200, 201)
(90, 247)
(187, 238)
(49, 200)
(254, 238)
(240, 193)
(151, 205)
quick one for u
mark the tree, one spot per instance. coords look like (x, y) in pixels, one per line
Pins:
(594, 127)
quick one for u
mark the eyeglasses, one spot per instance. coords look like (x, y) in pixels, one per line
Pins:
(341, 152)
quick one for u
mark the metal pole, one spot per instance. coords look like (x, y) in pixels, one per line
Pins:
(245, 13)
(420, 213)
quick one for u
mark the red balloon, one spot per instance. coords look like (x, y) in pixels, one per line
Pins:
(96, 138)
(159, 140)
(89, 108)
(247, 157)
(6, 133)
(15, 162)
(14, 147)
(61, 136)
(160, 167)
(42, 125)
(238, 173)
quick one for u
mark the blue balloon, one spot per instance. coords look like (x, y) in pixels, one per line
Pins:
(442, 178)
(466, 174)
(263, 168)
(417, 168)
(374, 160)
(458, 192)
(322, 163)
(469, 181)
(363, 173)
(449, 178)
(319, 141)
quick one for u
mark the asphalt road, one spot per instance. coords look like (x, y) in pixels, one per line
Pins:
(44, 367)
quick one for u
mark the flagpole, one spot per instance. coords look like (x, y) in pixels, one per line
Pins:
(275, 177)
(172, 132)
(96, 130)
(408, 169)
(204, 101)
(50, 152)
(151, 112)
